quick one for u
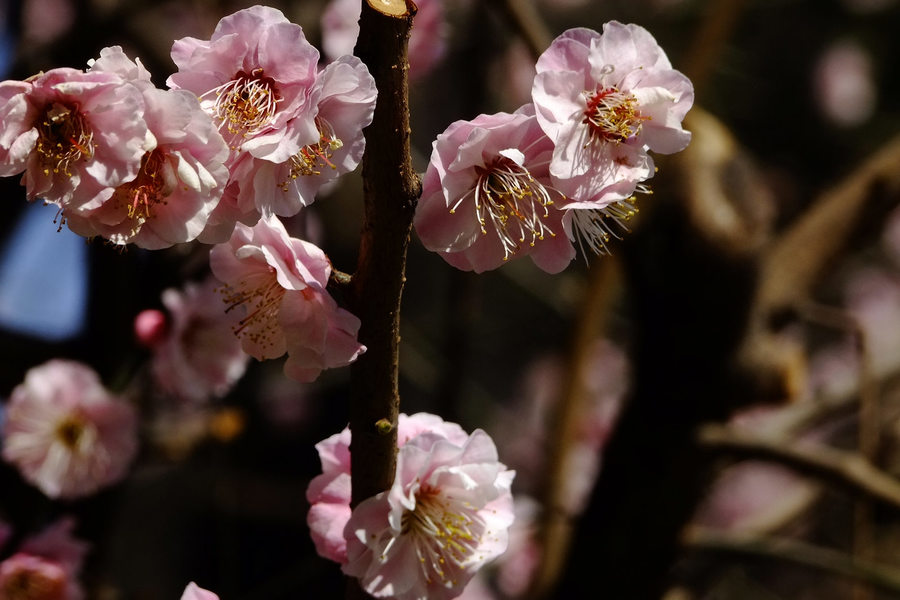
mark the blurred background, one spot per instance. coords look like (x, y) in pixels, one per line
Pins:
(750, 320)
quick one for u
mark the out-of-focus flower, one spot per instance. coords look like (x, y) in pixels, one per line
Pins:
(46, 567)
(605, 100)
(329, 494)
(844, 85)
(181, 178)
(487, 195)
(150, 327)
(344, 99)
(427, 39)
(446, 515)
(66, 433)
(198, 356)
(75, 135)
(195, 592)
(275, 286)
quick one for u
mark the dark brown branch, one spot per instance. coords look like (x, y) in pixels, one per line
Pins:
(391, 188)
(824, 559)
(845, 469)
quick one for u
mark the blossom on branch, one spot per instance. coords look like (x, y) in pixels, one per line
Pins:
(446, 514)
(487, 195)
(66, 433)
(275, 291)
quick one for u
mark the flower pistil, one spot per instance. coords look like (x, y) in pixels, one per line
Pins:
(64, 137)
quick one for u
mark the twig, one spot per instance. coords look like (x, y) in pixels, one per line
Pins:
(781, 549)
(845, 469)
(523, 16)
(391, 188)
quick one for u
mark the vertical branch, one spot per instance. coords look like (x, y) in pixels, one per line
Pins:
(391, 188)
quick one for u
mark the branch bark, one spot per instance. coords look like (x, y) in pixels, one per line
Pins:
(391, 189)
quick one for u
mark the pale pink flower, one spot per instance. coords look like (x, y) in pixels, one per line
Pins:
(181, 178)
(427, 39)
(275, 286)
(344, 99)
(329, 494)
(75, 135)
(844, 84)
(66, 433)
(487, 196)
(195, 592)
(447, 514)
(198, 356)
(46, 567)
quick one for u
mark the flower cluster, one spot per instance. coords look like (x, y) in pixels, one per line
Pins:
(248, 126)
(446, 514)
(66, 433)
(564, 169)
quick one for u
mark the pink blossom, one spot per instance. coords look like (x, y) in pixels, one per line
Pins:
(487, 195)
(329, 494)
(195, 592)
(181, 178)
(275, 284)
(445, 516)
(150, 327)
(46, 567)
(344, 99)
(427, 40)
(198, 356)
(65, 433)
(844, 84)
(75, 135)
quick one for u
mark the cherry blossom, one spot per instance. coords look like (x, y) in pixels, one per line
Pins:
(66, 433)
(195, 592)
(447, 514)
(75, 135)
(487, 195)
(275, 290)
(198, 357)
(46, 566)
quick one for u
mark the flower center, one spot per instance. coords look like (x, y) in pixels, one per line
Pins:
(245, 105)
(446, 532)
(260, 294)
(512, 202)
(314, 157)
(33, 584)
(145, 191)
(612, 115)
(64, 137)
(70, 431)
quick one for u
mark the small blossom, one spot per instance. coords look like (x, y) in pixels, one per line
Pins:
(427, 40)
(487, 195)
(329, 494)
(65, 433)
(275, 288)
(195, 592)
(447, 514)
(181, 179)
(150, 327)
(844, 84)
(46, 567)
(75, 135)
(198, 357)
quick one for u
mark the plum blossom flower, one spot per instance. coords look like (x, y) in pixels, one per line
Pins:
(75, 135)
(329, 494)
(487, 195)
(604, 100)
(181, 179)
(46, 566)
(447, 514)
(66, 433)
(198, 357)
(195, 592)
(344, 102)
(427, 39)
(275, 284)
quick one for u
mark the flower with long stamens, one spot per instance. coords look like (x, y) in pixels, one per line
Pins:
(65, 433)
(487, 195)
(274, 288)
(604, 99)
(75, 135)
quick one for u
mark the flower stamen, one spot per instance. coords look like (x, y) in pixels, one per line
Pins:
(595, 227)
(312, 158)
(261, 294)
(245, 105)
(612, 115)
(64, 137)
